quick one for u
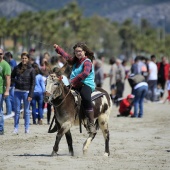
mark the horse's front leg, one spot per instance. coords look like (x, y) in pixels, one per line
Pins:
(69, 142)
(64, 128)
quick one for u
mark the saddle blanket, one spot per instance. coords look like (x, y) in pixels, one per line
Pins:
(96, 94)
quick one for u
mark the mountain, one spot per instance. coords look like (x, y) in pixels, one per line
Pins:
(11, 8)
(157, 15)
(156, 11)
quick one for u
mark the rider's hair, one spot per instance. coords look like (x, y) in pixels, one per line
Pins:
(84, 47)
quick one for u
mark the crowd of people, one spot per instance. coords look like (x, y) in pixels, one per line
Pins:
(22, 85)
(28, 79)
(148, 78)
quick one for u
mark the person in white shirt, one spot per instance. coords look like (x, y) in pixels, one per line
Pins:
(152, 79)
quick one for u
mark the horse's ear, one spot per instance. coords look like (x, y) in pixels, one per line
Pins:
(66, 70)
(47, 65)
(62, 69)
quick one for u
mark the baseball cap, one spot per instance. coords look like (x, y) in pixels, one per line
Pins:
(130, 96)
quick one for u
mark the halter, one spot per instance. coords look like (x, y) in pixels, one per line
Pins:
(63, 99)
(52, 96)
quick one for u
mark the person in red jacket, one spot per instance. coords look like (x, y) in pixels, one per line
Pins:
(126, 106)
(163, 72)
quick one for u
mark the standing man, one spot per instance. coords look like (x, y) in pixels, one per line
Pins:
(5, 72)
(119, 78)
(152, 79)
(163, 73)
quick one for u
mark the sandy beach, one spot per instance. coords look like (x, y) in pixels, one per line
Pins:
(135, 143)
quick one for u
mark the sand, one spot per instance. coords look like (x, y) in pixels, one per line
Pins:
(135, 143)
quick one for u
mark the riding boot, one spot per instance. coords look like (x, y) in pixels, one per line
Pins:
(90, 122)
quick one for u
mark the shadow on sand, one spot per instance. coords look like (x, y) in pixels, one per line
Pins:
(42, 155)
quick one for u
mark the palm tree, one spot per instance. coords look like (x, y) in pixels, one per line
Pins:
(13, 31)
(127, 33)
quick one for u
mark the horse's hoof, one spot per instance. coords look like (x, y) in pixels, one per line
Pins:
(54, 153)
(71, 153)
(84, 151)
(106, 154)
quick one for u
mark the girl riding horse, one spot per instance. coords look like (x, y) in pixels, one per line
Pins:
(82, 78)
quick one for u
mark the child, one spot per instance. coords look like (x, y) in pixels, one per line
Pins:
(158, 93)
(126, 106)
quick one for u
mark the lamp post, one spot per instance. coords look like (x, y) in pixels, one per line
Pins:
(162, 18)
(139, 15)
(161, 28)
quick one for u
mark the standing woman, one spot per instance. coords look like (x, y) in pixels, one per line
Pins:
(23, 76)
(140, 91)
(38, 95)
(45, 69)
(82, 78)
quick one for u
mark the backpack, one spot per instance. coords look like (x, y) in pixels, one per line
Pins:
(135, 79)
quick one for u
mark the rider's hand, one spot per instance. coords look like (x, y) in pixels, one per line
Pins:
(77, 85)
(55, 46)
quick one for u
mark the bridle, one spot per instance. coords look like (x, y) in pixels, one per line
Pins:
(52, 96)
(63, 99)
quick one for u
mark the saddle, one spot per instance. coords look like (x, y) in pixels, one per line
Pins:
(96, 94)
(77, 98)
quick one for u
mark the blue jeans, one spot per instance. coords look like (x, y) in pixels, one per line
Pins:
(11, 94)
(18, 96)
(9, 100)
(8, 105)
(1, 113)
(38, 97)
(140, 94)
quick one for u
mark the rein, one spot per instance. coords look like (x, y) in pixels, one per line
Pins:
(64, 98)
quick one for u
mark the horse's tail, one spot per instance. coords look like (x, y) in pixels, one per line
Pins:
(97, 124)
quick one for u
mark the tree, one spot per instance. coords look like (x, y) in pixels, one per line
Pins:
(127, 33)
(13, 31)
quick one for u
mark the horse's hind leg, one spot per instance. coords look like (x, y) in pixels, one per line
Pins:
(103, 124)
(69, 142)
(64, 128)
(87, 142)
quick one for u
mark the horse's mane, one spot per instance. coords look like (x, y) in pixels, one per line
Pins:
(56, 69)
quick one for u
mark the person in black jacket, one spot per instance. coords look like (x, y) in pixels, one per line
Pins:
(23, 76)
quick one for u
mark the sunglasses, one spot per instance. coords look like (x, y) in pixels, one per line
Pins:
(1, 53)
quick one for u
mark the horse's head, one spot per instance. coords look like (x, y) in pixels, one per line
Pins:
(54, 84)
